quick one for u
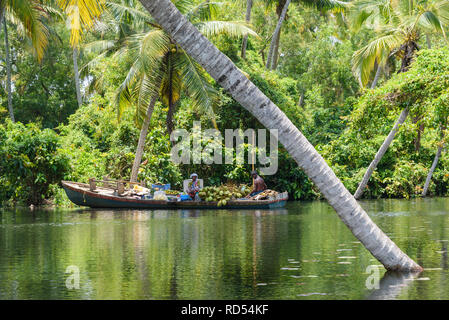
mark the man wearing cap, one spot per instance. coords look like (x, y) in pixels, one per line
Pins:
(194, 187)
(259, 184)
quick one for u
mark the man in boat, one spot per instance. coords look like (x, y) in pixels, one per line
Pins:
(194, 187)
(259, 184)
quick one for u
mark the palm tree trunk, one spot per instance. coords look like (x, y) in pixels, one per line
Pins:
(249, 5)
(77, 76)
(428, 41)
(376, 77)
(171, 107)
(380, 153)
(271, 52)
(409, 50)
(142, 138)
(8, 72)
(223, 70)
(275, 58)
(432, 168)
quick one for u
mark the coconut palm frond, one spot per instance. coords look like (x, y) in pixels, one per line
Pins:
(230, 28)
(149, 47)
(334, 5)
(29, 16)
(206, 10)
(430, 21)
(145, 90)
(81, 15)
(364, 59)
(131, 15)
(197, 86)
(99, 46)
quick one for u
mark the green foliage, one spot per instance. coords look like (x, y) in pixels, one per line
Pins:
(29, 162)
(403, 169)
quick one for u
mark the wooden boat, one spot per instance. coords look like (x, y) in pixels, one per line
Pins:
(106, 197)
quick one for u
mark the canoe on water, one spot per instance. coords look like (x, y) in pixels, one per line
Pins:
(81, 194)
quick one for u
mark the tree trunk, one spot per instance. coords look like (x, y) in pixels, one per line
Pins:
(380, 153)
(8, 72)
(270, 56)
(417, 141)
(171, 106)
(428, 41)
(77, 76)
(409, 49)
(432, 168)
(223, 70)
(275, 58)
(376, 77)
(142, 138)
(249, 5)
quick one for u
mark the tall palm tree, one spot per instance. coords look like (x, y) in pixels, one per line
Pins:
(249, 6)
(281, 11)
(223, 70)
(401, 23)
(27, 15)
(81, 16)
(162, 70)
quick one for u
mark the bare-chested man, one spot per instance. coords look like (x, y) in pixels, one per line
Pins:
(259, 184)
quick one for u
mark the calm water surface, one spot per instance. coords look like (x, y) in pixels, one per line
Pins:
(301, 252)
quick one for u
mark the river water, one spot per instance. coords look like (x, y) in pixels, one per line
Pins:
(300, 252)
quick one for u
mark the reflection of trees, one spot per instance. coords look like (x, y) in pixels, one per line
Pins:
(209, 254)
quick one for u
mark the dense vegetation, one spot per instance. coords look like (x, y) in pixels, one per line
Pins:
(325, 57)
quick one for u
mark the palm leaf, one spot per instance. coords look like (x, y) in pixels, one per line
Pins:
(29, 16)
(364, 59)
(81, 16)
(230, 28)
(197, 86)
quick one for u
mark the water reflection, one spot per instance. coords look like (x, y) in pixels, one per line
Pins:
(300, 252)
(392, 285)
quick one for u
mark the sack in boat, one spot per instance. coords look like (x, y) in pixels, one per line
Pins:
(160, 195)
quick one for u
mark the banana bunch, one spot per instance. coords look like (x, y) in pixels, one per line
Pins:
(223, 193)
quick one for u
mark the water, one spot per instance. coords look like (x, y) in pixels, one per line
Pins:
(301, 252)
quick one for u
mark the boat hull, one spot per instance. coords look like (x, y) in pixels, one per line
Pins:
(82, 197)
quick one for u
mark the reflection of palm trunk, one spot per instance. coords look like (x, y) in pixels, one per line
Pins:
(392, 285)
(227, 75)
(8, 72)
(249, 5)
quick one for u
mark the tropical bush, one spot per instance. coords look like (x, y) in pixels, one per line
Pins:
(30, 161)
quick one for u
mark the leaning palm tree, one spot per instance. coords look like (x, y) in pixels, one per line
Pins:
(441, 117)
(162, 70)
(27, 16)
(400, 24)
(223, 70)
